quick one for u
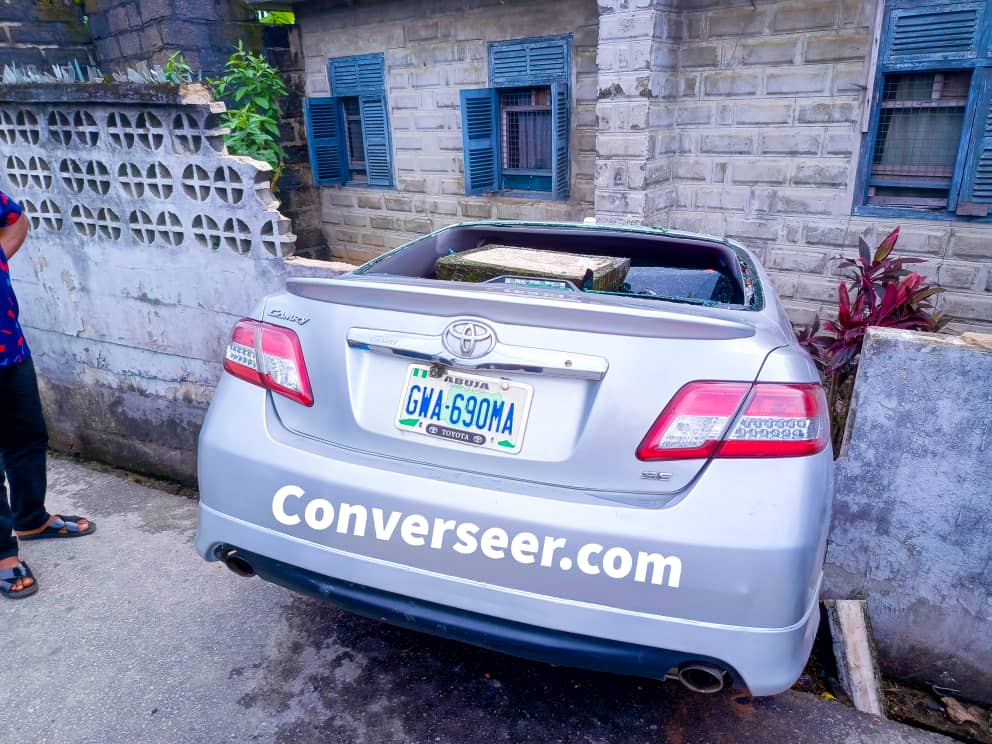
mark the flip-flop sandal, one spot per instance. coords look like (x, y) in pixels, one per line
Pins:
(63, 526)
(9, 577)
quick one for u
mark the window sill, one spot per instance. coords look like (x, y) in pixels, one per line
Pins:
(350, 185)
(526, 195)
(915, 214)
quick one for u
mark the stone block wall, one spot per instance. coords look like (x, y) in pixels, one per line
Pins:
(300, 198)
(114, 34)
(768, 120)
(433, 50)
(44, 33)
(912, 519)
(148, 243)
(126, 32)
(637, 64)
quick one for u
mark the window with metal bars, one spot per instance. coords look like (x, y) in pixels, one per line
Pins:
(916, 143)
(526, 130)
(927, 149)
(525, 137)
(354, 140)
(515, 134)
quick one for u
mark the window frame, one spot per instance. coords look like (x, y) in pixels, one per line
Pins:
(501, 82)
(366, 84)
(980, 64)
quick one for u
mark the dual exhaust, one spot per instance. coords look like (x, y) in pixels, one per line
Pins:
(695, 676)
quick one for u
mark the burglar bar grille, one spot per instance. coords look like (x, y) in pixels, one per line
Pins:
(526, 129)
(919, 129)
(354, 138)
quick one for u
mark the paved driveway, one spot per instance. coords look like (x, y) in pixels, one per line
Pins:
(134, 639)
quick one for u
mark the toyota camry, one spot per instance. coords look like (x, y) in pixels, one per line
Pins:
(591, 445)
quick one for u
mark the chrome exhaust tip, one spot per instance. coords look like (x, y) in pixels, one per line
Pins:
(236, 563)
(702, 678)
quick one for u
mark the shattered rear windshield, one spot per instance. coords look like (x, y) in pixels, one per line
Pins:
(617, 262)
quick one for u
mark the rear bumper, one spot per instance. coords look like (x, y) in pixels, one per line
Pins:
(764, 661)
(751, 557)
(496, 634)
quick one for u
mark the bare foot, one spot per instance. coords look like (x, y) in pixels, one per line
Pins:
(83, 526)
(19, 584)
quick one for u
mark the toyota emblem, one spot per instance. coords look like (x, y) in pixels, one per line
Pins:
(468, 339)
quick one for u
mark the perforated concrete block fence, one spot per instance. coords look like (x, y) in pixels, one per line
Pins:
(148, 242)
(133, 173)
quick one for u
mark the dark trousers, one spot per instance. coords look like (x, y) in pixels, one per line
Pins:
(23, 447)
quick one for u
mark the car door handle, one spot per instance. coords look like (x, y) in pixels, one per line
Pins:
(502, 357)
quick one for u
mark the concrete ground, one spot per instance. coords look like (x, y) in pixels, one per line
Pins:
(133, 638)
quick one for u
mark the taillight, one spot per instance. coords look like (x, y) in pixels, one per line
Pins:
(702, 421)
(239, 359)
(780, 421)
(281, 368)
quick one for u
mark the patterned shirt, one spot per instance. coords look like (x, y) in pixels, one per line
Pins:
(13, 348)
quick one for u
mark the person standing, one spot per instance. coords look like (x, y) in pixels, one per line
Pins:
(23, 434)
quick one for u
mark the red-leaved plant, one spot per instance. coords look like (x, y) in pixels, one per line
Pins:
(883, 293)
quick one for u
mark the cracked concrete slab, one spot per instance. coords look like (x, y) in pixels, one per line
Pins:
(134, 638)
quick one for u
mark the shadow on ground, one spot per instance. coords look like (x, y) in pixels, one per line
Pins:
(421, 688)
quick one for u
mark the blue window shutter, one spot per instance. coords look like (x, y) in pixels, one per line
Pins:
(559, 140)
(324, 140)
(528, 61)
(375, 131)
(371, 73)
(548, 59)
(933, 32)
(976, 182)
(508, 64)
(343, 75)
(355, 76)
(480, 139)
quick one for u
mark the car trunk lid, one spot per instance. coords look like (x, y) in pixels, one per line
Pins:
(587, 375)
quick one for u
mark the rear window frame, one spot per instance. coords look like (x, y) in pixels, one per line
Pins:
(746, 274)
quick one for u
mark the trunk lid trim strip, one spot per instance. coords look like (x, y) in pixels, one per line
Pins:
(502, 358)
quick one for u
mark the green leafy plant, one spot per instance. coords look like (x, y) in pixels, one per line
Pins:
(884, 293)
(177, 70)
(277, 17)
(253, 87)
(254, 135)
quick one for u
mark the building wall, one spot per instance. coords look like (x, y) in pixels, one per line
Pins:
(761, 122)
(43, 33)
(294, 188)
(637, 61)
(729, 117)
(433, 50)
(767, 115)
(127, 32)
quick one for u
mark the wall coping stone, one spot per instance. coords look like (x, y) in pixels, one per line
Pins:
(166, 94)
(923, 338)
(313, 267)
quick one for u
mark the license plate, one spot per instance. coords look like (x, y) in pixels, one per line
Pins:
(484, 412)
